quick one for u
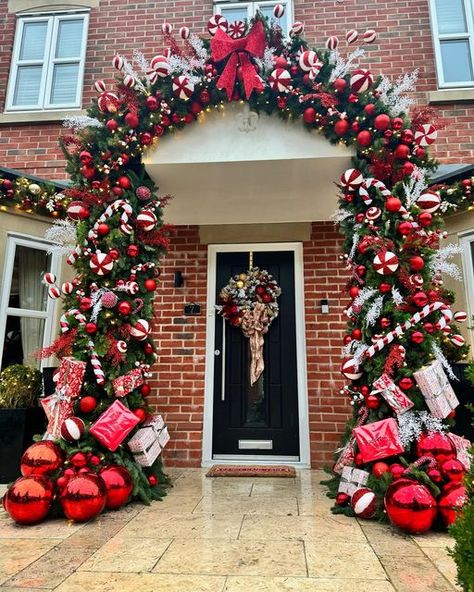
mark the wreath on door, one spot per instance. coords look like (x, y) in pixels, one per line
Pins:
(250, 301)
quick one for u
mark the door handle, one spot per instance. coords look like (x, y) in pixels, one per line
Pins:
(223, 362)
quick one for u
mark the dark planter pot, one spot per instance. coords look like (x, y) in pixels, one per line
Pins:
(17, 428)
(465, 393)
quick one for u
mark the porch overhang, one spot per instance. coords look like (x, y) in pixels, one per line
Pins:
(236, 167)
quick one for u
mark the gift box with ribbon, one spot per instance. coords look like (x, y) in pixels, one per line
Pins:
(462, 446)
(147, 444)
(113, 425)
(379, 439)
(352, 479)
(438, 393)
(346, 457)
(70, 376)
(393, 395)
(127, 383)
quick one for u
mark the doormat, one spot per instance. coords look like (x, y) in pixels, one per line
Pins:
(251, 471)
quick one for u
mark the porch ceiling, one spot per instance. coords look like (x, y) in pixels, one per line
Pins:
(234, 167)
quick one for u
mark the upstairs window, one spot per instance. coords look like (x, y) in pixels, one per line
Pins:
(453, 32)
(48, 62)
(240, 11)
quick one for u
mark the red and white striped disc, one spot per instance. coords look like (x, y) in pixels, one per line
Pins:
(101, 263)
(117, 62)
(373, 213)
(361, 80)
(236, 29)
(49, 278)
(280, 80)
(351, 36)
(278, 11)
(364, 503)
(183, 88)
(458, 340)
(217, 22)
(297, 29)
(184, 32)
(385, 262)
(72, 429)
(425, 134)
(121, 346)
(352, 179)
(350, 370)
(99, 86)
(54, 292)
(332, 42)
(129, 81)
(369, 36)
(166, 28)
(429, 201)
(67, 287)
(160, 65)
(460, 316)
(146, 220)
(140, 330)
(308, 59)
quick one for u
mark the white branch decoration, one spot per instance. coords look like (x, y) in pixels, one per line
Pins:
(342, 66)
(397, 297)
(394, 95)
(78, 122)
(414, 187)
(440, 263)
(413, 423)
(140, 60)
(63, 236)
(443, 361)
(340, 216)
(128, 69)
(374, 311)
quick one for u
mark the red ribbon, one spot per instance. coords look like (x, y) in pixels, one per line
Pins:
(239, 51)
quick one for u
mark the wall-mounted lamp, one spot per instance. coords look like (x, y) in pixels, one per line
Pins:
(178, 279)
(325, 306)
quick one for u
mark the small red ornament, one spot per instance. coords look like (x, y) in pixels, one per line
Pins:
(410, 506)
(379, 469)
(417, 263)
(78, 460)
(405, 383)
(401, 151)
(340, 85)
(103, 229)
(356, 334)
(145, 389)
(420, 152)
(341, 127)
(420, 299)
(364, 138)
(364, 390)
(355, 126)
(88, 172)
(354, 291)
(152, 480)
(393, 204)
(87, 404)
(382, 122)
(405, 228)
(309, 115)
(124, 182)
(85, 303)
(361, 270)
(140, 413)
(111, 125)
(360, 217)
(372, 401)
(397, 123)
(118, 483)
(408, 167)
(453, 470)
(124, 307)
(436, 445)
(41, 458)
(152, 103)
(359, 459)
(397, 470)
(150, 285)
(131, 119)
(29, 499)
(429, 327)
(435, 475)
(384, 287)
(417, 337)
(407, 136)
(94, 460)
(146, 139)
(346, 339)
(84, 497)
(369, 109)
(342, 499)
(452, 499)
(91, 328)
(115, 254)
(133, 250)
(148, 348)
(425, 219)
(385, 322)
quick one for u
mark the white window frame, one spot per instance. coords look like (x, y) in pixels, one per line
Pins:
(48, 61)
(466, 239)
(23, 240)
(437, 38)
(252, 7)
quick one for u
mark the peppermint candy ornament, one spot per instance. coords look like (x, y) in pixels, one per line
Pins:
(364, 503)
(49, 279)
(425, 134)
(297, 29)
(107, 102)
(166, 28)
(280, 80)
(458, 340)
(350, 369)
(332, 42)
(54, 292)
(429, 201)
(160, 66)
(184, 32)
(72, 429)
(217, 22)
(385, 262)
(352, 179)
(129, 81)
(109, 299)
(99, 86)
(236, 29)
(67, 287)
(460, 316)
(351, 36)
(101, 263)
(307, 60)
(143, 193)
(140, 330)
(369, 36)
(118, 62)
(183, 88)
(146, 220)
(121, 346)
(361, 80)
(278, 11)
(373, 213)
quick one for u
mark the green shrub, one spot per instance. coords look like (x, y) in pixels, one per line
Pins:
(19, 386)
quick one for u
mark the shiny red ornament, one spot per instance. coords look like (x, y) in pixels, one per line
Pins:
(103, 229)
(124, 182)
(435, 475)
(397, 470)
(28, 499)
(354, 291)
(145, 389)
(355, 126)
(406, 383)
(148, 348)
(364, 390)
(341, 127)
(420, 299)
(342, 499)
(133, 250)
(397, 123)
(382, 122)
(84, 497)
(140, 413)
(437, 445)
(410, 506)
(124, 307)
(379, 469)
(309, 115)
(407, 136)
(115, 254)
(417, 337)
(405, 228)
(408, 167)
(356, 334)
(417, 263)
(359, 459)
(78, 460)
(85, 303)
(347, 339)
(90, 328)
(131, 119)
(385, 322)
(364, 138)
(425, 219)
(429, 327)
(87, 404)
(361, 270)
(369, 109)
(360, 217)
(340, 84)
(453, 470)
(152, 103)
(152, 480)
(118, 483)
(41, 458)
(146, 139)
(452, 499)
(150, 285)
(372, 402)
(402, 151)
(384, 287)
(393, 204)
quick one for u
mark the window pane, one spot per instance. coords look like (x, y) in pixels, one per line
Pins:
(457, 65)
(450, 16)
(69, 39)
(268, 12)
(235, 14)
(27, 290)
(23, 337)
(33, 41)
(64, 85)
(27, 85)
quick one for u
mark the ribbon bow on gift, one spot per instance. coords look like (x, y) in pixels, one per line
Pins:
(239, 51)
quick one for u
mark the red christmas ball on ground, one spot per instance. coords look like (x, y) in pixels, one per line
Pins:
(410, 506)
(364, 138)
(131, 119)
(140, 413)
(341, 127)
(452, 499)
(342, 499)
(402, 151)
(84, 497)
(397, 470)
(41, 458)
(379, 469)
(103, 229)
(150, 285)
(453, 470)
(87, 404)
(436, 445)
(29, 499)
(124, 307)
(417, 263)
(145, 389)
(133, 250)
(393, 204)
(118, 483)
(382, 122)
(309, 115)
(364, 503)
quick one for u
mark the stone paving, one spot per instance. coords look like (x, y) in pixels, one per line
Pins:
(224, 535)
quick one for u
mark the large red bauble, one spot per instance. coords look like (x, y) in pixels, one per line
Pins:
(87, 404)
(131, 119)
(393, 204)
(341, 127)
(420, 299)
(410, 506)
(119, 486)
(88, 172)
(84, 497)
(29, 499)
(124, 182)
(150, 285)
(417, 263)
(401, 151)
(384, 287)
(309, 115)
(124, 307)
(405, 228)
(453, 470)
(356, 334)
(382, 122)
(133, 250)
(364, 503)
(397, 470)
(437, 445)
(41, 458)
(452, 499)
(379, 469)
(364, 138)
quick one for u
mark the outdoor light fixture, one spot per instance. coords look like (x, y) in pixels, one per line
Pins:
(178, 279)
(325, 306)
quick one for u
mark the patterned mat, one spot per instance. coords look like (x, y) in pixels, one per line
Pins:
(251, 471)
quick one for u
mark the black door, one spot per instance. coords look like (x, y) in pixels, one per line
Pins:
(260, 419)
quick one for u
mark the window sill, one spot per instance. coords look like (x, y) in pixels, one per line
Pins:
(37, 116)
(458, 95)
(15, 6)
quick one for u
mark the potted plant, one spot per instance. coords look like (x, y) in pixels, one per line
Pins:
(20, 416)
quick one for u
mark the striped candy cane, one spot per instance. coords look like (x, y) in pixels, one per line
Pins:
(446, 318)
(72, 312)
(371, 182)
(96, 365)
(74, 256)
(432, 464)
(125, 227)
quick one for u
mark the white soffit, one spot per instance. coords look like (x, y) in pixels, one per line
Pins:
(235, 167)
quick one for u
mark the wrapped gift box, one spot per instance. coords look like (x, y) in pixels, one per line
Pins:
(147, 444)
(127, 383)
(393, 395)
(71, 376)
(462, 446)
(113, 425)
(352, 479)
(346, 457)
(57, 407)
(379, 439)
(437, 391)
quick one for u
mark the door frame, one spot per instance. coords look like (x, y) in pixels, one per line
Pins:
(303, 415)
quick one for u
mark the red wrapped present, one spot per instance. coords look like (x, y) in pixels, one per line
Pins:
(147, 444)
(346, 457)
(128, 382)
(438, 393)
(462, 446)
(57, 407)
(70, 376)
(114, 425)
(352, 479)
(379, 439)
(395, 397)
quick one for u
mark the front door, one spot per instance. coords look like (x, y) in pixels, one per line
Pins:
(261, 419)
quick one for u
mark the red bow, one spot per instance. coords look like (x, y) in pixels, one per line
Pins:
(239, 51)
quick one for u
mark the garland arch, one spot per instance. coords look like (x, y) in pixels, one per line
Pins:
(390, 222)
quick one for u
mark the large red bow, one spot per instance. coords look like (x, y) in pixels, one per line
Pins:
(239, 51)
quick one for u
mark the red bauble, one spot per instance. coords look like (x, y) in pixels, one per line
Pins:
(124, 182)
(364, 138)
(91, 328)
(266, 298)
(84, 497)
(397, 123)
(379, 469)
(355, 126)
(340, 84)
(356, 334)
(417, 263)
(397, 470)
(429, 327)
(385, 322)
(196, 108)
(41, 458)
(309, 115)
(78, 460)
(140, 413)
(372, 401)
(115, 254)
(354, 291)
(436, 445)
(85, 303)
(405, 383)
(205, 97)
(417, 337)
(341, 127)
(146, 139)
(361, 270)
(118, 483)
(347, 339)
(342, 499)
(152, 103)
(103, 229)
(124, 307)
(150, 285)
(382, 122)
(152, 480)
(420, 299)
(405, 228)
(435, 475)
(410, 506)
(393, 204)
(148, 348)
(420, 153)
(132, 120)
(359, 459)
(111, 125)
(364, 503)
(88, 172)
(425, 219)
(133, 250)
(87, 404)
(453, 470)
(145, 389)
(452, 499)
(369, 109)
(406, 136)
(402, 151)
(29, 499)
(385, 288)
